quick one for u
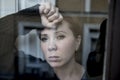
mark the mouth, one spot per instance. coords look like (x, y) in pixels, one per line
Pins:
(54, 59)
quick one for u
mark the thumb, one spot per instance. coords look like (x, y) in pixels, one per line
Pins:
(44, 19)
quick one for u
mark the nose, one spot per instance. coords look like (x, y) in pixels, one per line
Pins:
(52, 46)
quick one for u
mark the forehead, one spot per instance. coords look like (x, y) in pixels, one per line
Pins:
(64, 26)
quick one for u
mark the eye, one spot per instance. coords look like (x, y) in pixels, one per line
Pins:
(43, 39)
(60, 37)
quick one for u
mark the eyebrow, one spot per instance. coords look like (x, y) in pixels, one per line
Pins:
(53, 28)
(43, 34)
(61, 31)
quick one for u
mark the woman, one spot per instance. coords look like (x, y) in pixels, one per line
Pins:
(60, 42)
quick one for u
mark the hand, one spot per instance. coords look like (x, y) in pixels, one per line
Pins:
(49, 14)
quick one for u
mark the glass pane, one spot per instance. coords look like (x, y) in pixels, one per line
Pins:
(22, 52)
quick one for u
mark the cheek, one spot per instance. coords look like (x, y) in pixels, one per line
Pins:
(67, 50)
(67, 46)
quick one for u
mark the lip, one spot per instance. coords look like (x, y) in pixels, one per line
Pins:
(54, 59)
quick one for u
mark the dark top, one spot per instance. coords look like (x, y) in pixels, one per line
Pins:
(8, 34)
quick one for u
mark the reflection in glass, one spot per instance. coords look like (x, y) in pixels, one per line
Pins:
(89, 16)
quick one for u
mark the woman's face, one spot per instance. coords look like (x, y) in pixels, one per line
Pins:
(59, 45)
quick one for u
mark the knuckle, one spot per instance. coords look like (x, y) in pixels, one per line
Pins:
(50, 19)
(48, 8)
(52, 11)
(56, 15)
(61, 17)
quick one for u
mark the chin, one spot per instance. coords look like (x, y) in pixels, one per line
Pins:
(55, 65)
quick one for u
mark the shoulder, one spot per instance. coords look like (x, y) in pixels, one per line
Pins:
(85, 76)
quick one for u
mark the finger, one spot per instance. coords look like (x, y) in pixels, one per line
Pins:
(53, 17)
(60, 19)
(41, 8)
(47, 7)
(52, 11)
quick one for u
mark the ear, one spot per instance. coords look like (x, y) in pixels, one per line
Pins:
(78, 42)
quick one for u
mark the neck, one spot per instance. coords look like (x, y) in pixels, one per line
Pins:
(67, 71)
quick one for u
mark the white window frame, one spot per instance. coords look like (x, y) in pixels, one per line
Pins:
(28, 3)
(87, 36)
